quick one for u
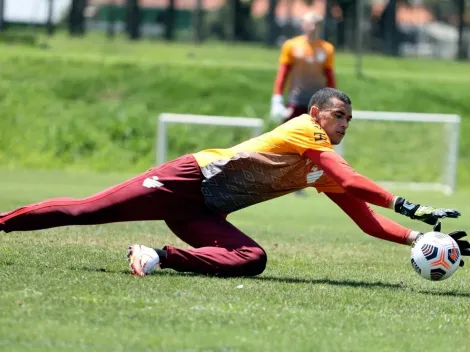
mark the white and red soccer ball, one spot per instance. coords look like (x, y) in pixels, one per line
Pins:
(435, 256)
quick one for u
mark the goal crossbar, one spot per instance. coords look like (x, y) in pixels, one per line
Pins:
(405, 116)
(212, 120)
(256, 124)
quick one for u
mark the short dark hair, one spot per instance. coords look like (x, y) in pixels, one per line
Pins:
(322, 98)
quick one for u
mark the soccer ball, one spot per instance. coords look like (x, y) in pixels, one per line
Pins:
(435, 256)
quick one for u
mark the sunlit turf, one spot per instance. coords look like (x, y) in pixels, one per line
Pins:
(327, 287)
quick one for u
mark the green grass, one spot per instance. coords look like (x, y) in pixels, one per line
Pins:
(327, 286)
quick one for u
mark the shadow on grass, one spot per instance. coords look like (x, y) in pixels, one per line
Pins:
(349, 283)
(444, 293)
(100, 270)
(292, 280)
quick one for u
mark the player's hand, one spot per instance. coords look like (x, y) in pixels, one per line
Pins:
(278, 110)
(464, 246)
(427, 214)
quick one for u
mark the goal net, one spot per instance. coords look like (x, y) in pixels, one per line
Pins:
(396, 149)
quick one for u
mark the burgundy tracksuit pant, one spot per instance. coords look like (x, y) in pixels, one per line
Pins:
(170, 192)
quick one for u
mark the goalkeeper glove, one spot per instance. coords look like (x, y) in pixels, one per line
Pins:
(278, 110)
(464, 246)
(424, 213)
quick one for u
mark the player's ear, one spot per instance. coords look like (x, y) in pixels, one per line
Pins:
(314, 111)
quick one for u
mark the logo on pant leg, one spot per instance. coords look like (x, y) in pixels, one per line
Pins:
(152, 182)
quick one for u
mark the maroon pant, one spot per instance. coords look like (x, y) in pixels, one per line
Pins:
(170, 192)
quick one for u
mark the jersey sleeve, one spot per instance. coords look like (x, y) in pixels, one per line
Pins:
(351, 181)
(304, 135)
(286, 57)
(372, 223)
(330, 56)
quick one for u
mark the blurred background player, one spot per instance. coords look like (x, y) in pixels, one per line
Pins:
(308, 63)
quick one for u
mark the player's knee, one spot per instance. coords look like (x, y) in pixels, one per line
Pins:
(256, 262)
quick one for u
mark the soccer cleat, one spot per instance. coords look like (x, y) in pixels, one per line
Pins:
(142, 259)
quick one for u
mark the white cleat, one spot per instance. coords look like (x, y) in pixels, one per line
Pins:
(142, 259)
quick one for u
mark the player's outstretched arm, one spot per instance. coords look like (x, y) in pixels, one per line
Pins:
(377, 225)
(372, 223)
(367, 190)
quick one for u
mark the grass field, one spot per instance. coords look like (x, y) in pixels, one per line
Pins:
(327, 287)
(89, 105)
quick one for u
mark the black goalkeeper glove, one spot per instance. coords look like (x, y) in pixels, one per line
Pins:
(427, 214)
(464, 246)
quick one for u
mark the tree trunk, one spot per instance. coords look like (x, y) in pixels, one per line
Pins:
(198, 22)
(170, 20)
(133, 19)
(390, 28)
(271, 23)
(345, 27)
(2, 15)
(77, 18)
(240, 13)
(111, 27)
(462, 49)
(50, 17)
(329, 22)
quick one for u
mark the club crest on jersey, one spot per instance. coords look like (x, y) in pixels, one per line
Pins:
(314, 174)
(320, 56)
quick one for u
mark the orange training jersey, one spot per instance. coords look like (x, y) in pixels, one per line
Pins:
(308, 62)
(265, 167)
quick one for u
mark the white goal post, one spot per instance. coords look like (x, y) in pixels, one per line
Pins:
(448, 180)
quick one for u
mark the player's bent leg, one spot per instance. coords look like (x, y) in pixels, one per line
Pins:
(168, 191)
(219, 249)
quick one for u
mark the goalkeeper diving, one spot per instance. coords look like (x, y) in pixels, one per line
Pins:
(196, 193)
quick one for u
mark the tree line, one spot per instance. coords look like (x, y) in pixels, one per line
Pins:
(238, 24)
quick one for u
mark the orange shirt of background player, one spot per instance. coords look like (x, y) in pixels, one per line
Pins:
(308, 64)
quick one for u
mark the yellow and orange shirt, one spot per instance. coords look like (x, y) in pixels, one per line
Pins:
(265, 167)
(308, 62)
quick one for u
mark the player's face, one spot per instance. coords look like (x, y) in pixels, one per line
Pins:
(311, 28)
(334, 119)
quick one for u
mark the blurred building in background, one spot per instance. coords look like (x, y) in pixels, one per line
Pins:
(430, 28)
